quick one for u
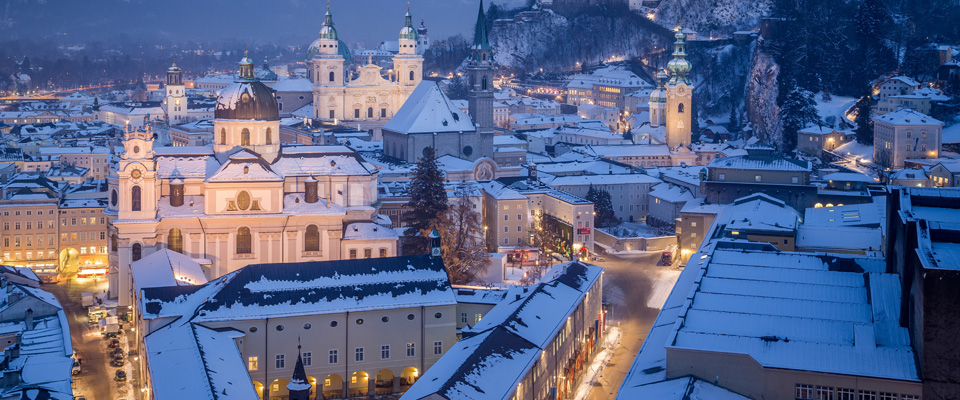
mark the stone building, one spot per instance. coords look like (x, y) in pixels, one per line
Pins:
(244, 200)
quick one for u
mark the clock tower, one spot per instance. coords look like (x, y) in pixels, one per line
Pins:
(137, 184)
(679, 96)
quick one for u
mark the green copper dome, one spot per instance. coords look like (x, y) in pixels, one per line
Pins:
(408, 32)
(679, 66)
(328, 31)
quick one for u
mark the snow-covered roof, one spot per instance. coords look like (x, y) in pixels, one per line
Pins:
(683, 388)
(671, 193)
(817, 130)
(795, 311)
(760, 212)
(907, 117)
(863, 215)
(499, 191)
(615, 151)
(834, 238)
(760, 163)
(584, 180)
(429, 110)
(190, 361)
(166, 267)
(368, 230)
(46, 151)
(244, 166)
(849, 177)
(904, 79)
(293, 85)
(502, 348)
(306, 288)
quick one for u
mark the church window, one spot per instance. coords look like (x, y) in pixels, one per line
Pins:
(114, 198)
(136, 252)
(483, 85)
(269, 139)
(356, 113)
(411, 75)
(243, 200)
(244, 241)
(311, 240)
(331, 114)
(245, 137)
(383, 113)
(467, 150)
(369, 112)
(135, 198)
(114, 242)
(680, 108)
(332, 75)
(223, 135)
(175, 240)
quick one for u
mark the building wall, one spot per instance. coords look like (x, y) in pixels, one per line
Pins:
(36, 244)
(410, 147)
(692, 230)
(507, 223)
(814, 144)
(893, 144)
(765, 176)
(85, 230)
(630, 201)
(797, 197)
(742, 374)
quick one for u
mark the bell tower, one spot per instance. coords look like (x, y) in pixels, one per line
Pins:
(679, 96)
(480, 68)
(175, 102)
(138, 188)
(328, 70)
(408, 63)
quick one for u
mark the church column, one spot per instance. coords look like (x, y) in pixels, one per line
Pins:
(333, 244)
(292, 246)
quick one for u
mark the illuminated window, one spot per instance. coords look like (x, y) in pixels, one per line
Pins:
(244, 241)
(175, 240)
(253, 364)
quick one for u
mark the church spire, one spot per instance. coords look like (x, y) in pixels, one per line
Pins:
(679, 66)
(299, 387)
(327, 31)
(480, 40)
(246, 67)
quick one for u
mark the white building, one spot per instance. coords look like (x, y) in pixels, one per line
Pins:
(244, 200)
(904, 135)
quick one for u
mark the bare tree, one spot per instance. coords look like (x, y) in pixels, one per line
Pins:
(461, 240)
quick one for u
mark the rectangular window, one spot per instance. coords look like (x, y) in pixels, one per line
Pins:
(804, 392)
(437, 348)
(281, 361)
(73, 237)
(722, 177)
(103, 235)
(29, 225)
(383, 253)
(353, 254)
(866, 395)
(463, 318)
(16, 225)
(845, 394)
(367, 253)
(909, 397)
(307, 358)
(253, 364)
(333, 357)
(411, 349)
(888, 396)
(358, 354)
(385, 352)
(756, 178)
(73, 221)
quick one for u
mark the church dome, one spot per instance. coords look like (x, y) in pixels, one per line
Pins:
(328, 31)
(408, 32)
(314, 50)
(247, 98)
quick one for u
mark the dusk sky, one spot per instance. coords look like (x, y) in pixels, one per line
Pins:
(280, 21)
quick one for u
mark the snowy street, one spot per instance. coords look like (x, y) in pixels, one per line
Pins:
(634, 290)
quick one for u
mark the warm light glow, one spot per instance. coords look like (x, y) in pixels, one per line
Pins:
(734, 232)
(651, 16)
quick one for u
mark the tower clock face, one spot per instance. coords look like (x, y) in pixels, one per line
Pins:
(681, 89)
(136, 174)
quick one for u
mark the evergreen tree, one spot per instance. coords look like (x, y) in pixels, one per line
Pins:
(734, 121)
(872, 24)
(864, 121)
(428, 201)
(461, 239)
(603, 207)
(796, 112)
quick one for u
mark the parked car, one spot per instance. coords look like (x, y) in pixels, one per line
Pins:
(114, 343)
(121, 376)
(116, 362)
(76, 366)
(117, 352)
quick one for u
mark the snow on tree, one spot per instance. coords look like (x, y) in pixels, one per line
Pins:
(873, 23)
(428, 201)
(603, 207)
(797, 110)
(461, 239)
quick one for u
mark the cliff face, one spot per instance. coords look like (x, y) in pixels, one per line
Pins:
(722, 17)
(761, 102)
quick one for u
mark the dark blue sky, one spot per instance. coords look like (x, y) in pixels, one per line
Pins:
(273, 21)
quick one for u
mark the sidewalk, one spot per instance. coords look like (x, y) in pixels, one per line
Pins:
(593, 372)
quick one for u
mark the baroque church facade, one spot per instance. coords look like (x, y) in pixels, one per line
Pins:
(244, 200)
(368, 94)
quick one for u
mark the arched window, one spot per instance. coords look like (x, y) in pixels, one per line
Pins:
(680, 108)
(483, 85)
(269, 139)
(411, 75)
(114, 243)
(223, 135)
(136, 252)
(175, 240)
(244, 241)
(245, 137)
(332, 76)
(369, 112)
(311, 241)
(135, 198)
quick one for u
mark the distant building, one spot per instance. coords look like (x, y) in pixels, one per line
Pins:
(816, 139)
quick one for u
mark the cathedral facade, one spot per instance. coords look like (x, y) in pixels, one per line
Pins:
(243, 200)
(368, 94)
